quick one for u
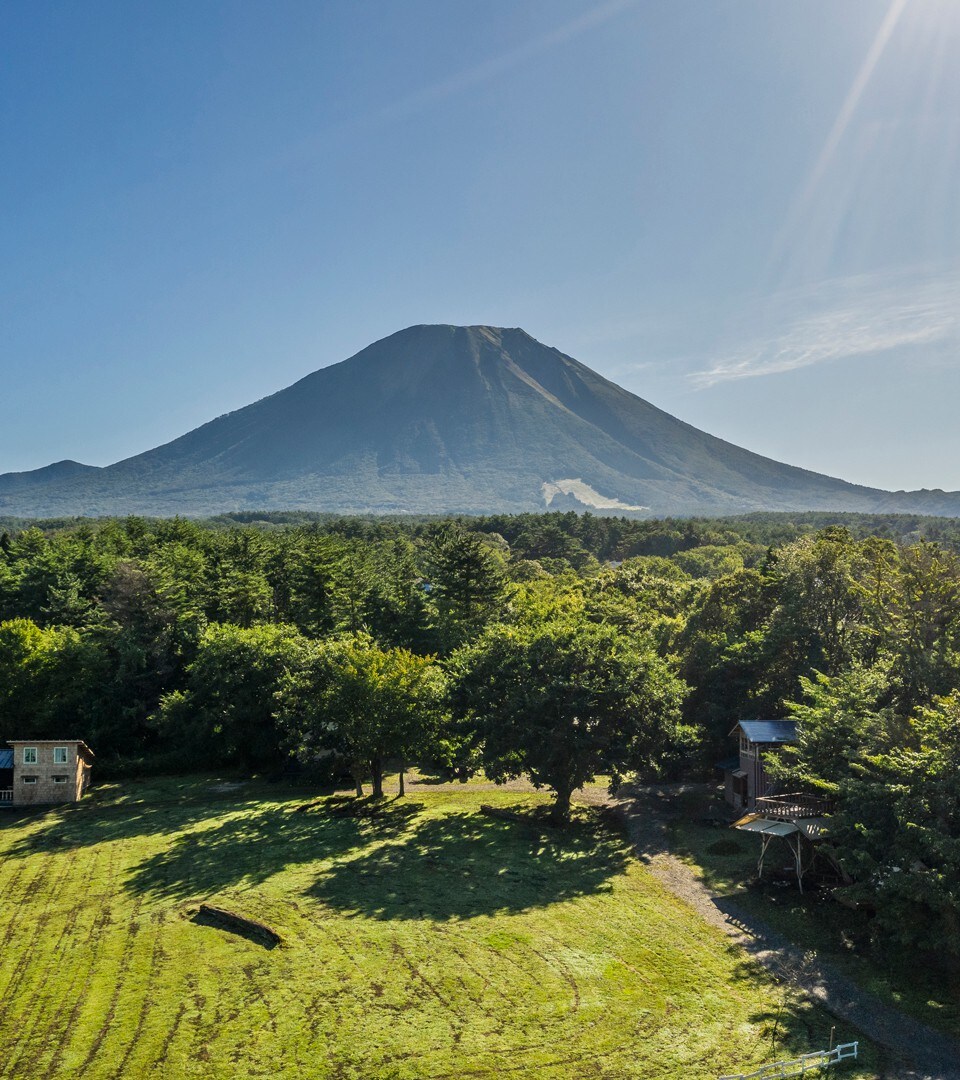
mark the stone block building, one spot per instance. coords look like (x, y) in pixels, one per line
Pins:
(37, 772)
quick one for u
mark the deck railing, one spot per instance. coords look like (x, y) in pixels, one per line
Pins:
(794, 806)
(801, 1066)
(6, 795)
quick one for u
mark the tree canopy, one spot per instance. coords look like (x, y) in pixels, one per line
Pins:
(562, 700)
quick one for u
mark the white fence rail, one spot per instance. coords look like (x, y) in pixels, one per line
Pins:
(801, 1066)
(6, 795)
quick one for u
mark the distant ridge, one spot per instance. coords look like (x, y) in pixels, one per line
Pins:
(449, 419)
(49, 474)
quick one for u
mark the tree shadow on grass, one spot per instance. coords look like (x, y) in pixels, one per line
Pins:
(787, 1022)
(463, 865)
(255, 846)
(389, 860)
(140, 811)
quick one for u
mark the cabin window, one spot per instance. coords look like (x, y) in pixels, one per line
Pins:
(29, 779)
(29, 756)
(59, 779)
(60, 755)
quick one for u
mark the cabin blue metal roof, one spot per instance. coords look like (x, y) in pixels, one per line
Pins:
(6, 759)
(769, 731)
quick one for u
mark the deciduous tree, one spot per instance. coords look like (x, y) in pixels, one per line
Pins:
(366, 703)
(562, 701)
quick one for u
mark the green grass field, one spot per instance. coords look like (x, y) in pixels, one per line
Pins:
(421, 939)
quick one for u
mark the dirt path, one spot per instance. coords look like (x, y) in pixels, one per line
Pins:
(932, 1055)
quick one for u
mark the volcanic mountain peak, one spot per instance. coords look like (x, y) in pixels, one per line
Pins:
(447, 419)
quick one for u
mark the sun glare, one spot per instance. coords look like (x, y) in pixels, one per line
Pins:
(901, 111)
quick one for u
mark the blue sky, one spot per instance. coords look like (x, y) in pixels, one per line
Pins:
(745, 211)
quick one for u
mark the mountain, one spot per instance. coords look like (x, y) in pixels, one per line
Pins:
(446, 419)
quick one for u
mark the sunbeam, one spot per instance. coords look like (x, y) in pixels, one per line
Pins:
(835, 136)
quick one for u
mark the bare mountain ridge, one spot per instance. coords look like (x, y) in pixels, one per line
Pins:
(446, 419)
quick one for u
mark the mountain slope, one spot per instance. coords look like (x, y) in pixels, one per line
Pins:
(447, 419)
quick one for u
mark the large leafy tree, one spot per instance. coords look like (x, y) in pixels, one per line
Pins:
(226, 714)
(368, 704)
(896, 781)
(52, 683)
(562, 700)
(913, 860)
(922, 624)
(723, 656)
(817, 622)
(396, 610)
(51, 580)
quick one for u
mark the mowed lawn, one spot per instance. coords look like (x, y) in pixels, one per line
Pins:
(421, 939)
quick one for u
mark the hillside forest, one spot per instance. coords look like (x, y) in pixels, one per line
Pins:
(557, 646)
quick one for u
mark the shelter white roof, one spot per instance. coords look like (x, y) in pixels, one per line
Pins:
(752, 823)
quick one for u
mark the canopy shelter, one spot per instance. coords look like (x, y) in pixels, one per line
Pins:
(789, 830)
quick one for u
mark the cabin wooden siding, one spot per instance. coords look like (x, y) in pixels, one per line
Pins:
(751, 762)
(751, 781)
(43, 790)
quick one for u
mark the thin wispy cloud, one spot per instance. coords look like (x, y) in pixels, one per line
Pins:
(497, 65)
(853, 317)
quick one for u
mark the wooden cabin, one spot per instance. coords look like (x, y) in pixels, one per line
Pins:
(745, 777)
(799, 819)
(38, 772)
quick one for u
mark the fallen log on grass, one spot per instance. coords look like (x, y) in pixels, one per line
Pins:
(238, 924)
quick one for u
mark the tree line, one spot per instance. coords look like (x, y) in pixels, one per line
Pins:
(555, 645)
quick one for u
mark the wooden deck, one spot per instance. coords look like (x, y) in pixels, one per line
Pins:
(791, 807)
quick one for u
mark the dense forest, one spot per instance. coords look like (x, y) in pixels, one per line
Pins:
(555, 645)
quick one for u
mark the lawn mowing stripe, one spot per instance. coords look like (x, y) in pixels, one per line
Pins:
(145, 1006)
(80, 996)
(253, 972)
(497, 1068)
(119, 988)
(485, 981)
(29, 950)
(163, 1057)
(565, 974)
(400, 953)
(89, 954)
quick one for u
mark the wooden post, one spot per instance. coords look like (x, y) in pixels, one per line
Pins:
(764, 841)
(799, 863)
